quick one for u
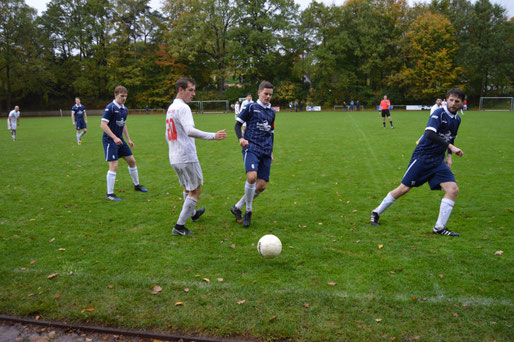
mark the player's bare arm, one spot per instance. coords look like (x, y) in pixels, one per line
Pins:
(108, 131)
(126, 134)
(456, 150)
(85, 117)
(73, 118)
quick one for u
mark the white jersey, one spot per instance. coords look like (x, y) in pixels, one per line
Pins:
(435, 107)
(237, 109)
(12, 120)
(244, 104)
(181, 133)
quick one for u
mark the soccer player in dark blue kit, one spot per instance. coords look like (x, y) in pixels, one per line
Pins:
(113, 124)
(79, 119)
(257, 145)
(429, 165)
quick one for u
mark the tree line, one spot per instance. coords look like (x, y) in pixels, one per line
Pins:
(325, 54)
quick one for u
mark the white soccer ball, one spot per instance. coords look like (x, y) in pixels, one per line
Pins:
(269, 246)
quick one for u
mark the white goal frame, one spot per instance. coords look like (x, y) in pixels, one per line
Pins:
(201, 109)
(481, 107)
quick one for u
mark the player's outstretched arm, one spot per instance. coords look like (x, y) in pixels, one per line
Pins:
(198, 134)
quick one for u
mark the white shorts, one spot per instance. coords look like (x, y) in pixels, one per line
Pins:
(189, 175)
(12, 126)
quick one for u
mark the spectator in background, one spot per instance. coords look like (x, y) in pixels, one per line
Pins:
(465, 105)
(357, 105)
(344, 106)
(352, 106)
(290, 106)
(301, 106)
(296, 105)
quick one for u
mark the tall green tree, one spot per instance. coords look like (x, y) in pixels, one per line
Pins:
(17, 51)
(429, 55)
(198, 33)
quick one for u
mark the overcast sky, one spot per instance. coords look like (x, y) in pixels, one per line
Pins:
(40, 5)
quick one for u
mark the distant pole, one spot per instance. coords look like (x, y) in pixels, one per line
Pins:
(61, 112)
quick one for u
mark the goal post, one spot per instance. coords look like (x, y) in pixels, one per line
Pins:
(211, 106)
(496, 104)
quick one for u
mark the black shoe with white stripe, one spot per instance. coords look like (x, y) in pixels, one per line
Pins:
(181, 230)
(374, 218)
(444, 231)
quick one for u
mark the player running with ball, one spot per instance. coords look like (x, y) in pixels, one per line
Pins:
(429, 165)
(181, 134)
(257, 145)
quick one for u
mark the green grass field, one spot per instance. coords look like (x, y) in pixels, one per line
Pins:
(330, 171)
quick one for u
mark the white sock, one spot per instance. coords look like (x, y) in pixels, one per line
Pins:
(187, 210)
(111, 178)
(134, 175)
(81, 134)
(78, 136)
(386, 203)
(239, 205)
(249, 193)
(444, 213)
(185, 194)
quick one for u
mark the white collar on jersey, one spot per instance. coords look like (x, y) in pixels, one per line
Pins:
(177, 99)
(117, 105)
(263, 105)
(448, 112)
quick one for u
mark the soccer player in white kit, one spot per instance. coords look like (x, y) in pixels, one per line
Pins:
(13, 120)
(181, 134)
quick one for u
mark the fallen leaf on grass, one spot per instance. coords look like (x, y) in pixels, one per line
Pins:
(380, 246)
(110, 286)
(220, 279)
(156, 289)
(57, 295)
(61, 249)
(414, 298)
(233, 246)
(273, 318)
(331, 283)
(52, 276)
(89, 308)
(455, 314)
(206, 280)
(392, 272)
(52, 240)
(306, 305)
(33, 262)
(186, 290)
(441, 276)
(32, 219)
(242, 301)
(179, 303)
(378, 320)
(498, 253)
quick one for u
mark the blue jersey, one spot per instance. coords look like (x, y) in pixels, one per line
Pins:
(116, 117)
(79, 111)
(260, 125)
(444, 124)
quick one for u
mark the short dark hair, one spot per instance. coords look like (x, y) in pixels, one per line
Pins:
(456, 92)
(265, 85)
(120, 90)
(183, 83)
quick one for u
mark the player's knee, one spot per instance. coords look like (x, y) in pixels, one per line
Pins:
(261, 186)
(251, 177)
(454, 190)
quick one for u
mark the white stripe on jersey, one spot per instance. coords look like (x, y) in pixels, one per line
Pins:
(411, 165)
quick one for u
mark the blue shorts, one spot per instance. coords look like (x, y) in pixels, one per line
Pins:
(80, 124)
(421, 171)
(255, 161)
(113, 151)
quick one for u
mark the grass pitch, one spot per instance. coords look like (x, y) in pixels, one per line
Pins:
(338, 278)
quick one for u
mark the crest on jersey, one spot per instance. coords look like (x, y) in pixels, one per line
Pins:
(264, 126)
